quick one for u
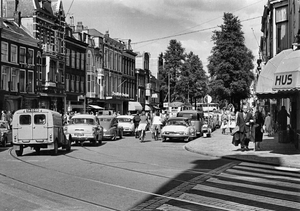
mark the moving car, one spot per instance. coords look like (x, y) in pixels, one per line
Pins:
(196, 117)
(178, 128)
(126, 122)
(5, 133)
(110, 127)
(38, 128)
(84, 127)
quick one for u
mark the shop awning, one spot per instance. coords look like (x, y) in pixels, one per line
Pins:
(266, 77)
(287, 74)
(95, 107)
(134, 106)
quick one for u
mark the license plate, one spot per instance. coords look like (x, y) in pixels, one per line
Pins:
(78, 134)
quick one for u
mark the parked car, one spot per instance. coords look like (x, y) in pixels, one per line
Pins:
(5, 133)
(126, 122)
(178, 128)
(196, 117)
(84, 127)
(110, 127)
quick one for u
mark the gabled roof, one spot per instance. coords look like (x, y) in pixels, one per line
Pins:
(12, 26)
(57, 6)
(95, 33)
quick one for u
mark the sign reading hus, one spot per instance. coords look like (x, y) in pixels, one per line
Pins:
(286, 80)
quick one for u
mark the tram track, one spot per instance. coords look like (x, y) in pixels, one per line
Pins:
(189, 182)
(51, 191)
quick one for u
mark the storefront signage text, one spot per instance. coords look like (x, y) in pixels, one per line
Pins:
(283, 80)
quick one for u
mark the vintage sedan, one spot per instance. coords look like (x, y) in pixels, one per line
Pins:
(178, 128)
(110, 127)
(5, 133)
(84, 127)
(126, 122)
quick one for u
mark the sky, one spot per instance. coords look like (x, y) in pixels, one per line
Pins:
(151, 24)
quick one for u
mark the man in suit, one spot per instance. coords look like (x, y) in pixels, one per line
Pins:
(243, 121)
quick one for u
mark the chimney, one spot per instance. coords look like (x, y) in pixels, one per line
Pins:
(72, 23)
(79, 27)
(18, 18)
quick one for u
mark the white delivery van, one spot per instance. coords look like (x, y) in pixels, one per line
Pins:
(38, 128)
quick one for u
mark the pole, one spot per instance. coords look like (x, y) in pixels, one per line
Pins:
(169, 98)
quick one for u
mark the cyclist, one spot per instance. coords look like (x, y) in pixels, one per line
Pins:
(156, 125)
(142, 125)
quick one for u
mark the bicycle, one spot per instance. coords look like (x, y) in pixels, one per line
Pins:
(156, 133)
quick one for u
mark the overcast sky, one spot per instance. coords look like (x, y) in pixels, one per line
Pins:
(143, 20)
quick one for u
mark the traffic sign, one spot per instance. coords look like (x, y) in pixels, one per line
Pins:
(207, 99)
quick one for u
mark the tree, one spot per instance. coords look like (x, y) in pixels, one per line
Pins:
(193, 80)
(231, 62)
(174, 58)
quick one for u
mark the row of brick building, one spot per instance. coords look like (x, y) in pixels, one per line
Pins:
(47, 62)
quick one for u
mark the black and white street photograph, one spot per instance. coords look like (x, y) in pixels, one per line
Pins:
(150, 105)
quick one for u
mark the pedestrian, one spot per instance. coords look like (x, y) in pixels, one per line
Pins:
(224, 120)
(136, 121)
(243, 122)
(144, 121)
(232, 121)
(258, 128)
(268, 124)
(3, 115)
(282, 118)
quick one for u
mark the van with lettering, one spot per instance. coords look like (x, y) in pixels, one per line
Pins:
(38, 128)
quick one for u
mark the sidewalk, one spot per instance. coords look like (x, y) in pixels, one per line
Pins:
(271, 152)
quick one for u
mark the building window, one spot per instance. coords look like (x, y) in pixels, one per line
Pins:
(14, 79)
(30, 82)
(82, 61)
(22, 81)
(4, 52)
(105, 58)
(68, 57)
(281, 29)
(30, 57)
(78, 60)
(13, 53)
(88, 83)
(73, 59)
(82, 84)
(5, 78)
(77, 83)
(22, 55)
(73, 83)
(67, 82)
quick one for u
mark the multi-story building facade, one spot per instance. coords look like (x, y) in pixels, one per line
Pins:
(128, 87)
(113, 74)
(143, 75)
(94, 67)
(20, 67)
(280, 61)
(75, 71)
(45, 21)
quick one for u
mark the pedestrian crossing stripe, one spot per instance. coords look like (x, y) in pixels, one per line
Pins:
(250, 186)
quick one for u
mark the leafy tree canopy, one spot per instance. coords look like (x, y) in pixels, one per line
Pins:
(231, 62)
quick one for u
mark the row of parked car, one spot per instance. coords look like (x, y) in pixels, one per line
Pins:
(43, 128)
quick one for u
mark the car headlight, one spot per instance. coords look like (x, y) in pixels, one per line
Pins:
(192, 130)
(104, 130)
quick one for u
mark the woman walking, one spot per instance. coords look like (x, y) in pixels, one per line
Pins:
(258, 128)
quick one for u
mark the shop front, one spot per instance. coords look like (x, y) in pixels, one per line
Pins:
(278, 85)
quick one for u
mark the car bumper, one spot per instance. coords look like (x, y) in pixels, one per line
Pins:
(81, 137)
(175, 136)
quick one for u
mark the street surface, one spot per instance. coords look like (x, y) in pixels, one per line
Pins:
(129, 175)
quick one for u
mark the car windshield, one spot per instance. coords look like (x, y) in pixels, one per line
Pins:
(177, 122)
(104, 119)
(82, 121)
(124, 119)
